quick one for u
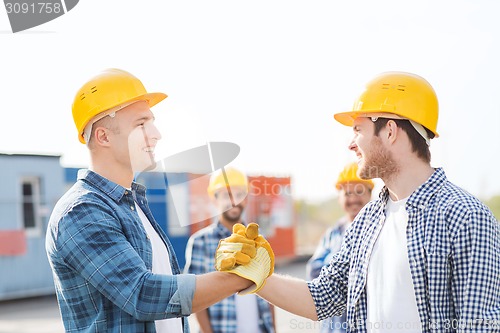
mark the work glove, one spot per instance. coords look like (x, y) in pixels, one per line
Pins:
(258, 268)
(237, 249)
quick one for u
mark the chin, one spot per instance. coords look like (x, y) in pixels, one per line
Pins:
(232, 218)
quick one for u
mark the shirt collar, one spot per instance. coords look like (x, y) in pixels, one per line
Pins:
(113, 190)
(421, 196)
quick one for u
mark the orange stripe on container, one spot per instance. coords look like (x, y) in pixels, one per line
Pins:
(12, 242)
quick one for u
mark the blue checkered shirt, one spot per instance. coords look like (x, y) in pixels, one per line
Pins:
(200, 259)
(101, 259)
(454, 256)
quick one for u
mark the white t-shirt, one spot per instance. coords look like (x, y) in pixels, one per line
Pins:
(161, 265)
(392, 306)
(247, 313)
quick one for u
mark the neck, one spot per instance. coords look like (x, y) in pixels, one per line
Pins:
(115, 172)
(412, 173)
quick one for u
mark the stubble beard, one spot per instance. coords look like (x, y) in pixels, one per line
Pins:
(378, 163)
(235, 218)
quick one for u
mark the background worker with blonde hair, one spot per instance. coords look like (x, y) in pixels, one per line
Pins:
(228, 188)
(354, 193)
(424, 256)
(114, 268)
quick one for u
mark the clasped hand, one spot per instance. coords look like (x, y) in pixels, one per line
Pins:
(247, 254)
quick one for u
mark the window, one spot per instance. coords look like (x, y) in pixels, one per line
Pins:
(30, 190)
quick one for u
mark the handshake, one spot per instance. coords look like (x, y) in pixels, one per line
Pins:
(247, 254)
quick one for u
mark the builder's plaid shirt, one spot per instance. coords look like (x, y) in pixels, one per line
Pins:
(200, 259)
(101, 258)
(453, 252)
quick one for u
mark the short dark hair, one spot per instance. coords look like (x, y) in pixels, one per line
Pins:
(418, 144)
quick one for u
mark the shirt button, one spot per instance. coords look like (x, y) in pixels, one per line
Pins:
(421, 206)
(410, 230)
(132, 208)
(414, 263)
(126, 192)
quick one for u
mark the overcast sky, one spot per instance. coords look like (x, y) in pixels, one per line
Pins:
(266, 75)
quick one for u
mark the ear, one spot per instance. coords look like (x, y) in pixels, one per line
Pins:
(101, 136)
(392, 131)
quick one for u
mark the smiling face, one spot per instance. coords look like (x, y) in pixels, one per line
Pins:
(134, 137)
(374, 158)
(231, 209)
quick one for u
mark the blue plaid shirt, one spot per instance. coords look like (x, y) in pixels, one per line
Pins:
(101, 260)
(454, 256)
(200, 259)
(328, 246)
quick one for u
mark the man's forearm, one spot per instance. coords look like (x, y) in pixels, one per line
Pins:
(214, 287)
(290, 294)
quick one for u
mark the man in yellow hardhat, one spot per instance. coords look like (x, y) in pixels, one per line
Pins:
(114, 268)
(424, 256)
(228, 189)
(354, 193)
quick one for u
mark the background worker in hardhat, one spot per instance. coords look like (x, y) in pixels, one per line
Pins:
(353, 194)
(228, 189)
(114, 268)
(425, 255)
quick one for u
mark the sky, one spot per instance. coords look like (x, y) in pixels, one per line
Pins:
(266, 75)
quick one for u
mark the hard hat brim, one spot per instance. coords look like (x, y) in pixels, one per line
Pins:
(154, 98)
(151, 98)
(347, 118)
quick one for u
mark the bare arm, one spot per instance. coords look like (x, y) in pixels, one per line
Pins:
(290, 294)
(214, 287)
(203, 321)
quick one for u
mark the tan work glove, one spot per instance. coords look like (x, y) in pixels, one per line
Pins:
(236, 249)
(259, 266)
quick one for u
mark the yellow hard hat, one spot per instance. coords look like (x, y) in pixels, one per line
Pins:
(110, 89)
(350, 175)
(231, 177)
(403, 94)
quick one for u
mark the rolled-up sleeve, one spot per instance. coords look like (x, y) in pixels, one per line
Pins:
(183, 297)
(329, 289)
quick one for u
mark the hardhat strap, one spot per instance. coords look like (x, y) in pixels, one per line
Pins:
(419, 128)
(87, 131)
